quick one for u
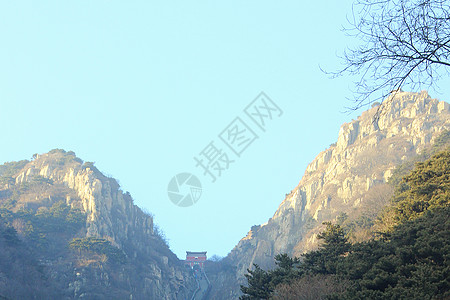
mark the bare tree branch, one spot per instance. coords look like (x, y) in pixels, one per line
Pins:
(404, 43)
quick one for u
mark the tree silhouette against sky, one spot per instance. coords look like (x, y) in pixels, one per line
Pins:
(403, 43)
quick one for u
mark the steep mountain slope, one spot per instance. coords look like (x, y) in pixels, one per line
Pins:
(410, 261)
(346, 180)
(84, 234)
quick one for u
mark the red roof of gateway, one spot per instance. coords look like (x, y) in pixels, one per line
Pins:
(199, 254)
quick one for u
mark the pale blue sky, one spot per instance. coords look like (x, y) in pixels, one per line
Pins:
(141, 87)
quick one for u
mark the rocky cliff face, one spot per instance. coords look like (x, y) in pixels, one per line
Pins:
(346, 177)
(152, 271)
(109, 211)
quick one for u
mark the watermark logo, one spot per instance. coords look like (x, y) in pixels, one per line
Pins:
(184, 189)
(262, 110)
(213, 161)
(216, 157)
(238, 136)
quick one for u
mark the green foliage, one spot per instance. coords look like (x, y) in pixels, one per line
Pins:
(412, 263)
(286, 269)
(61, 157)
(333, 238)
(11, 168)
(60, 218)
(261, 283)
(35, 227)
(7, 206)
(7, 180)
(323, 261)
(10, 236)
(57, 151)
(341, 218)
(98, 246)
(426, 187)
(38, 179)
(441, 143)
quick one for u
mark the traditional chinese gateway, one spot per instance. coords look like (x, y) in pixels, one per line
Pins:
(195, 258)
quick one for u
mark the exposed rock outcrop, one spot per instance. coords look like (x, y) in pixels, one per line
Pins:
(343, 177)
(110, 212)
(151, 270)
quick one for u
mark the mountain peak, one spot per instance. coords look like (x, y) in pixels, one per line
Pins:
(399, 106)
(94, 193)
(349, 177)
(60, 181)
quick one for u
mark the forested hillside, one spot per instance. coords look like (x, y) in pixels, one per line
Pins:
(408, 259)
(67, 231)
(349, 184)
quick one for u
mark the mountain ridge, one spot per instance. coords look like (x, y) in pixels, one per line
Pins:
(55, 186)
(347, 180)
(349, 177)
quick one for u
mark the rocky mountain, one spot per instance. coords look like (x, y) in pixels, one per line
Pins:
(347, 181)
(85, 235)
(67, 231)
